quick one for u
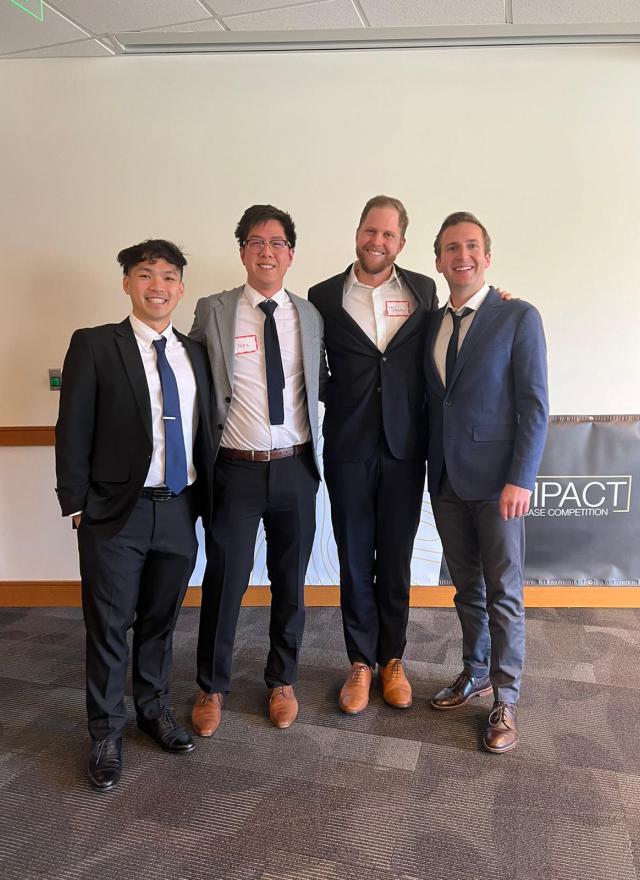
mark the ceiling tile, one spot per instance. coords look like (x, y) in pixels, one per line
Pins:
(209, 24)
(82, 49)
(304, 16)
(568, 11)
(18, 30)
(239, 7)
(408, 13)
(110, 16)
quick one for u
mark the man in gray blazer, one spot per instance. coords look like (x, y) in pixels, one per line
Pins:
(264, 346)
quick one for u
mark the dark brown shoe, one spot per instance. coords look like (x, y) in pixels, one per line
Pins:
(283, 706)
(354, 696)
(463, 689)
(206, 713)
(396, 689)
(501, 734)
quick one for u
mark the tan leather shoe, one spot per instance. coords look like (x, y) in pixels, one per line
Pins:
(206, 713)
(283, 706)
(501, 734)
(354, 696)
(396, 689)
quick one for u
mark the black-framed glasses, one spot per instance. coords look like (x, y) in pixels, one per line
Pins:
(255, 245)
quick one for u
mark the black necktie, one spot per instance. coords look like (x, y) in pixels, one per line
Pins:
(175, 458)
(273, 364)
(452, 348)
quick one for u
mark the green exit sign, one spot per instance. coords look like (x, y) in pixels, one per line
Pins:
(32, 7)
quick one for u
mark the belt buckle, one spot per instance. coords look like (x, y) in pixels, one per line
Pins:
(162, 493)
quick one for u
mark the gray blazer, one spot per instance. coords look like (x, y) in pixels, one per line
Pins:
(214, 325)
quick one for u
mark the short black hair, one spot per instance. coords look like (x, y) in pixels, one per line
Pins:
(151, 249)
(256, 215)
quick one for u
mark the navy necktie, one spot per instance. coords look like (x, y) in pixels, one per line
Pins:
(273, 363)
(175, 458)
(452, 348)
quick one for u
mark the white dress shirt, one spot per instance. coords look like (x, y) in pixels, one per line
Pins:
(446, 329)
(181, 366)
(248, 425)
(379, 311)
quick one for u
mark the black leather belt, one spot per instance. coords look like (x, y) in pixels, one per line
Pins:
(263, 454)
(158, 493)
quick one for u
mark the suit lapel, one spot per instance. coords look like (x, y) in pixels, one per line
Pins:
(130, 353)
(225, 311)
(308, 342)
(488, 313)
(336, 303)
(418, 315)
(432, 372)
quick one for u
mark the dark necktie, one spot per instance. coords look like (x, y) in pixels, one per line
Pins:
(175, 459)
(273, 363)
(452, 348)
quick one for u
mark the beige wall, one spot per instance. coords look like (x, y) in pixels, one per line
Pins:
(96, 154)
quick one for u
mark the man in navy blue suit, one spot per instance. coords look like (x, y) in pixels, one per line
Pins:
(488, 410)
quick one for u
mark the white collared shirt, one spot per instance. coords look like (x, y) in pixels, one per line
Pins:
(248, 425)
(183, 371)
(446, 328)
(379, 311)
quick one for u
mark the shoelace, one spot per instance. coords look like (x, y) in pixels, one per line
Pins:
(460, 681)
(358, 672)
(500, 714)
(168, 719)
(209, 698)
(397, 669)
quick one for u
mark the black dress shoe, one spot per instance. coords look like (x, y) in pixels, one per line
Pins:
(165, 730)
(463, 689)
(104, 764)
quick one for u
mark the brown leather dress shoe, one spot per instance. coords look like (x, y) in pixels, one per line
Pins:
(463, 689)
(501, 734)
(206, 713)
(354, 696)
(283, 706)
(396, 689)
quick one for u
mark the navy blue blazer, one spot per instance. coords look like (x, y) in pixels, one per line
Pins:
(489, 427)
(371, 394)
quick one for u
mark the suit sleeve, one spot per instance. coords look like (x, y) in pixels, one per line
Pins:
(529, 369)
(197, 331)
(75, 425)
(325, 375)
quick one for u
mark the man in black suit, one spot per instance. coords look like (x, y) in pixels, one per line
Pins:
(375, 318)
(133, 434)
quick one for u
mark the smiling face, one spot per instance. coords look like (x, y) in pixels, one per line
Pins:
(463, 260)
(378, 243)
(266, 266)
(155, 288)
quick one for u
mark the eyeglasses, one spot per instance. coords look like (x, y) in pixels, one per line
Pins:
(255, 245)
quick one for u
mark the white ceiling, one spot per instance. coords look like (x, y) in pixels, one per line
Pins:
(63, 28)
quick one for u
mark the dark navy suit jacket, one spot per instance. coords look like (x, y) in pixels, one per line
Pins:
(489, 427)
(369, 393)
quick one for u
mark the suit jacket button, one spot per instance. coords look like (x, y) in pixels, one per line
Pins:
(447, 403)
(378, 388)
(220, 427)
(228, 399)
(384, 359)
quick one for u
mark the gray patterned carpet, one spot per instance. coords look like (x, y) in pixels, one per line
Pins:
(388, 795)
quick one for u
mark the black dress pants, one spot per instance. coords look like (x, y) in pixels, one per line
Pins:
(281, 493)
(138, 578)
(375, 511)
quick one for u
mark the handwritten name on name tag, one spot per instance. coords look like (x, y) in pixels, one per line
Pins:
(246, 344)
(395, 308)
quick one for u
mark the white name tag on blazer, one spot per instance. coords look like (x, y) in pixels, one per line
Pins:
(396, 308)
(246, 344)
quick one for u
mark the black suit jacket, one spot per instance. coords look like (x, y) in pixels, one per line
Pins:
(370, 393)
(104, 437)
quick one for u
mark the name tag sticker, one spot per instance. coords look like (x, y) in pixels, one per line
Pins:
(246, 344)
(396, 308)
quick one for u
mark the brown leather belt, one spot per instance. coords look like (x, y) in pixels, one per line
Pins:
(263, 454)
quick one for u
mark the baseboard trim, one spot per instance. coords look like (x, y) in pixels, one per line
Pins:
(27, 435)
(46, 594)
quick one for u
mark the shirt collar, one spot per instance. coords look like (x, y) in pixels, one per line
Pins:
(352, 280)
(254, 298)
(474, 302)
(146, 335)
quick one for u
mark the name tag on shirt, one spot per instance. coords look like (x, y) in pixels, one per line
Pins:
(396, 308)
(246, 344)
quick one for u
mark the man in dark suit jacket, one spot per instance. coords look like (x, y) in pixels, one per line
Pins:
(486, 371)
(133, 433)
(375, 319)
